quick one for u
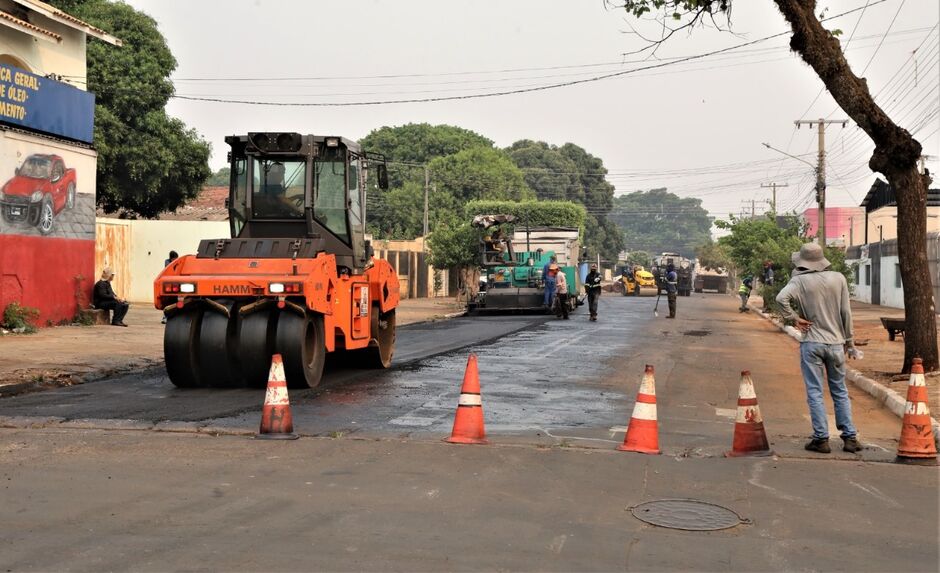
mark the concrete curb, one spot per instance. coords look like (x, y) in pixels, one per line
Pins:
(889, 398)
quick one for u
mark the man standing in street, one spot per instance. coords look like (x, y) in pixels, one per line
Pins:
(823, 315)
(105, 298)
(592, 285)
(561, 286)
(672, 289)
(548, 276)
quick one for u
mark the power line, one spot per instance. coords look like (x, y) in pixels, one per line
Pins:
(507, 92)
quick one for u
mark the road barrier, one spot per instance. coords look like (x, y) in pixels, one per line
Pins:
(643, 432)
(917, 443)
(276, 420)
(468, 422)
(749, 436)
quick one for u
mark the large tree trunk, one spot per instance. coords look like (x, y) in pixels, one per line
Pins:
(896, 155)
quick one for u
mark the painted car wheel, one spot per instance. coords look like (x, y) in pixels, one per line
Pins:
(46, 217)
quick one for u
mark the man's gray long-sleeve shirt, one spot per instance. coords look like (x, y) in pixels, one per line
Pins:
(823, 299)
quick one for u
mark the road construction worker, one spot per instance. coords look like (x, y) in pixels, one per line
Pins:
(592, 286)
(672, 289)
(561, 286)
(548, 275)
(744, 291)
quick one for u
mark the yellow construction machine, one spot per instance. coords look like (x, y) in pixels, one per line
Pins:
(639, 283)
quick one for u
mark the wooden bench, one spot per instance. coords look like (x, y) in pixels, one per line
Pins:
(894, 326)
(96, 316)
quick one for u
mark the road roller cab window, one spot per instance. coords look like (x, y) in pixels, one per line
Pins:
(239, 206)
(329, 207)
(278, 188)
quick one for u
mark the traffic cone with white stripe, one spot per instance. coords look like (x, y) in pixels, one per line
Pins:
(276, 420)
(917, 442)
(643, 432)
(749, 436)
(468, 423)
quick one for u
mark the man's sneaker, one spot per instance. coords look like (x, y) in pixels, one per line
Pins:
(851, 445)
(820, 445)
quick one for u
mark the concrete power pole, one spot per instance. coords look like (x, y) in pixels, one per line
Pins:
(773, 202)
(427, 184)
(821, 171)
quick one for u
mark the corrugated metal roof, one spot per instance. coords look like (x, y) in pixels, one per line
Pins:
(881, 195)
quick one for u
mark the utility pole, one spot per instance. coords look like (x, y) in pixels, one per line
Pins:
(774, 185)
(821, 171)
(427, 184)
(753, 207)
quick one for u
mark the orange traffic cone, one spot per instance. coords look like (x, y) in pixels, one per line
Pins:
(917, 443)
(468, 423)
(749, 436)
(276, 420)
(643, 432)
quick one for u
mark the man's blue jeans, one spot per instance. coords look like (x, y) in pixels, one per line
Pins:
(821, 362)
(549, 292)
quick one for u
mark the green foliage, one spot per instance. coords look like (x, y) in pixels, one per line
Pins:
(480, 173)
(454, 244)
(712, 256)
(462, 163)
(419, 143)
(533, 213)
(20, 318)
(753, 241)
(659, 221)
(148, 162)
(221, 178)
(641, 258)
(571, 173)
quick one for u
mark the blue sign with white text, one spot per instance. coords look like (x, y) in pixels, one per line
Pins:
(41, 104)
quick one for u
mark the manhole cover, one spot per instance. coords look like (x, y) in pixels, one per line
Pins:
(687, 514)
(697, 332)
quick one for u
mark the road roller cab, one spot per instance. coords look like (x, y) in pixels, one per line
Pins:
(296, 277)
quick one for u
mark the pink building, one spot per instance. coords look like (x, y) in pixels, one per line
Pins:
(839, 223)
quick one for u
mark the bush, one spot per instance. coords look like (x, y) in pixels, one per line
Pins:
(19, 318)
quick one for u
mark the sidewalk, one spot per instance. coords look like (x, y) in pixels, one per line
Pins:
(67, 355)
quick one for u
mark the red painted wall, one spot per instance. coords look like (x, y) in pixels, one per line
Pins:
(40, 272)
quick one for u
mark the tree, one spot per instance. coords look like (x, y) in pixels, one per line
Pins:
(571, 173)
(399, 212)
(221, 178)
(419, 143)
(895, 156)
(659, 221)
(642, 258)
(148, 162)
(480, 173)
(712, 256)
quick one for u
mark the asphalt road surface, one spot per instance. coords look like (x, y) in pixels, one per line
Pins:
(378, 490)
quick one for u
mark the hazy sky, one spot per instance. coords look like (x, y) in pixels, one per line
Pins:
(693, 127)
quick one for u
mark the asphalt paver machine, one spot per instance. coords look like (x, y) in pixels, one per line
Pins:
(297, 276)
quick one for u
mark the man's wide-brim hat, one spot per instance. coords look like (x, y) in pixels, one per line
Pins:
(810, 256)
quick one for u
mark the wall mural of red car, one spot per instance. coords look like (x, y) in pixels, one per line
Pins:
(40, 189)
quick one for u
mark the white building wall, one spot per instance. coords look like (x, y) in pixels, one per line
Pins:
(138, 249)
(65, 59)
(891, 295)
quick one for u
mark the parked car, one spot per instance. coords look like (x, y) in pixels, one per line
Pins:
(39, 190)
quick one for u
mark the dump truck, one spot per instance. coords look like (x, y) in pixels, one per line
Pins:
(512, 260)
(685, 272)
(711, 280)
(296, 277)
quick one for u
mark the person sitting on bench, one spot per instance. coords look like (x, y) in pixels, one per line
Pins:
(105, 298)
